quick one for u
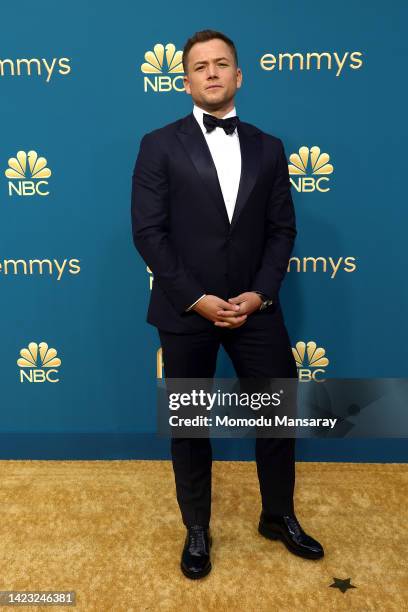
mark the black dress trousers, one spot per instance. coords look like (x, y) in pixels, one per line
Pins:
(255, 351)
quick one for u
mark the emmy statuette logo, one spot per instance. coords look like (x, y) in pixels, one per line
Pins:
(159, 363)
(150, 277)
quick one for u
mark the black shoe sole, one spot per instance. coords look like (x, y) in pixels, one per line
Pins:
(195, 575)
(274, 535)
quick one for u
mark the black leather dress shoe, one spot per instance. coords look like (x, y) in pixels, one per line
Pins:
(195, 559)
(288, 529)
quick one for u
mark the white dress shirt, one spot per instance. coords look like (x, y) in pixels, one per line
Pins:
(226, 154)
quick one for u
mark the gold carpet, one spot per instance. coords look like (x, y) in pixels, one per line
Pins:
(112, 532)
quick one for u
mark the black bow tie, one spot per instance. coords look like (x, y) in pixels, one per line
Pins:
(228, 125)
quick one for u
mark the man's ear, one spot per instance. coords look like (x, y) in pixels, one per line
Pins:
(186, 85)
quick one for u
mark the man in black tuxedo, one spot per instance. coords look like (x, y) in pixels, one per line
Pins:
(213, 218)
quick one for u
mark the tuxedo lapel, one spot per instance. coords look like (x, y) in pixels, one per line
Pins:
(195, 144)
(250, 144)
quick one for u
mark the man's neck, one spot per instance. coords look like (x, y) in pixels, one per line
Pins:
(219, 112)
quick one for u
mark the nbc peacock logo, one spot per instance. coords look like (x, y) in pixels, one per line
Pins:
(164, 66)
(313, 163)
(38, 363)
(310, 361)
(27, 173)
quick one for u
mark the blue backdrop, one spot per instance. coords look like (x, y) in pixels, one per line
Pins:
(75, 103)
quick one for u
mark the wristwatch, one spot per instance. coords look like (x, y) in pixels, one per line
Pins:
(265, 300)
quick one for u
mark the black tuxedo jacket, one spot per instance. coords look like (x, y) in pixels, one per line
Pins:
(181, 227)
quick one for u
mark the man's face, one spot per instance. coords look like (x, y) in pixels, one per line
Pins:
(212, 77)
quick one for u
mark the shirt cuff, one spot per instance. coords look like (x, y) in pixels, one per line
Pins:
(194, 303)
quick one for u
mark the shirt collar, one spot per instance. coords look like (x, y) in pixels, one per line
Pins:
(198, 114)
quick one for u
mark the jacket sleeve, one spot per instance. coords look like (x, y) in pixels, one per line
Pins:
(280, 232)
(150, 223)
